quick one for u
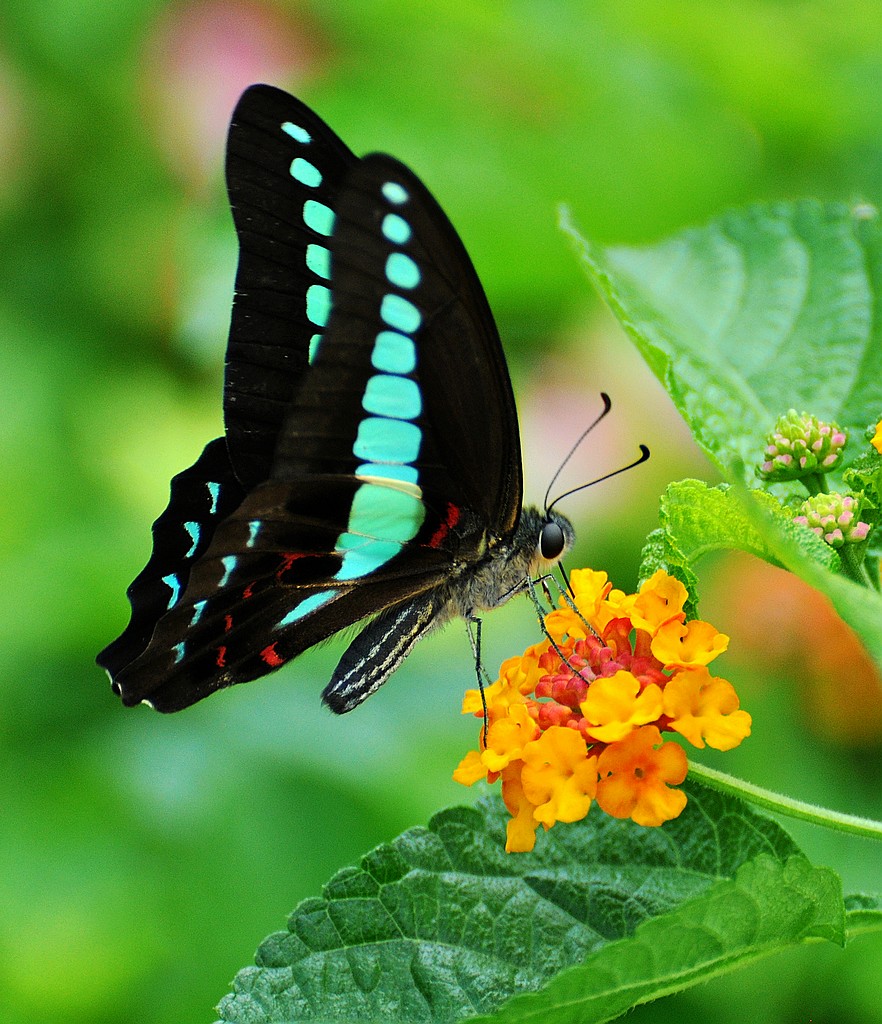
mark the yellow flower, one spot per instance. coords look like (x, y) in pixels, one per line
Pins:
(507, 736)
(704, 709)
(635, 778)
(615, 706)
(580, 719)
(660, 600)
(589, 588)
(877, 438)
(470, 769)
(678, 644)
(559, 778)
(517, 677)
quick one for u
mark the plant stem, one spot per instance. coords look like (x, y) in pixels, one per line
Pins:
(814, 483)
(852, 558)
(786, 805)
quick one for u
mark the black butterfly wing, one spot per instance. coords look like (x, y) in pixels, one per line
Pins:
(396, 453)
(268, 350)
(284, 169)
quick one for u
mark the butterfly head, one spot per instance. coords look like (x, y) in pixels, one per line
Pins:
(554, 537)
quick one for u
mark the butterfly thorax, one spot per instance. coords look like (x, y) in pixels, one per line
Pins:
(506, 567)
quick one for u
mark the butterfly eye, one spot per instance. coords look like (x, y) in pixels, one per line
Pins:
(551, 542)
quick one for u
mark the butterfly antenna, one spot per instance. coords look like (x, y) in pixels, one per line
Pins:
(607, 405)
(644, 455)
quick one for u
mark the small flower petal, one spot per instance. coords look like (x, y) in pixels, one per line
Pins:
(507, 736)
(521, 830)
(615, 706)
(661, 599)
(558, 776)
(635, 778)
(705, 709)
(679, 644)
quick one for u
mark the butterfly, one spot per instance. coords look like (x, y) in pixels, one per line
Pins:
(370, 466)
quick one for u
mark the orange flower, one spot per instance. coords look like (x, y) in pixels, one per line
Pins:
(559, 778)
(635, 778)
(616, 705)
(678, 644)
(877, 438)
(705, 709)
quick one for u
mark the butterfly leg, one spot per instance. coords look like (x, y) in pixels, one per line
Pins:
(480, 671)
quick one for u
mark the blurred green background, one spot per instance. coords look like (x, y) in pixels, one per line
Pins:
(142, 858)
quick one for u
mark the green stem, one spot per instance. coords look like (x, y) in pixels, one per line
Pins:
(814, 483)
(786, 805)
(852, 558)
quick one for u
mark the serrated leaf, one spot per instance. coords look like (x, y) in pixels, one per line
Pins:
(767, 907)
(442, 924)
(697, 519)
(761, 310)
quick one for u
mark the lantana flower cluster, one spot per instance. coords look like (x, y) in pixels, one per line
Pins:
(563, 732)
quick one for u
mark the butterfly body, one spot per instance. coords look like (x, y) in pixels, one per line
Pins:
(370, 466)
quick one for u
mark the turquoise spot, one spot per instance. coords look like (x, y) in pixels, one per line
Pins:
(318, 259)
(253, 530)
(198, 609)
(306, 173)
(319, 217)
(305, 607)
(360, 561)
(404, 474)
(229, 563)
(314, 347)
(381, 513)
(172, 582)
(296, 132)
(213, 492)
(318, 304)
(388, 394)
(395, 193)
(194, 530)
(396, 229)
(384, 440)
(394, 353)
(179, 651)
(398, 312)
(402, 271)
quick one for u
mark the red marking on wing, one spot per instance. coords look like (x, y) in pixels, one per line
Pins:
(271, 657)
(248, 591)
(221, 659)
(287, 561)
(228, 623)
(450, 520)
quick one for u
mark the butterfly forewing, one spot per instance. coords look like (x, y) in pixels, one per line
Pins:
(284, 171)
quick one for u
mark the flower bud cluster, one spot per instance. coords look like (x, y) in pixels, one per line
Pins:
(800, 445)
(834, 518)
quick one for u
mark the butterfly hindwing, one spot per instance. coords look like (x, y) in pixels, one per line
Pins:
(371, 435)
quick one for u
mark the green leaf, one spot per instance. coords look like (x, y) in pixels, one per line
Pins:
(761, 310)
(764, 909)
(697, 519)
(442, 924)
